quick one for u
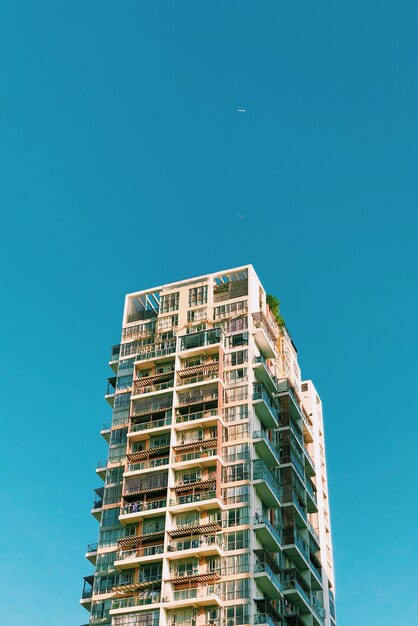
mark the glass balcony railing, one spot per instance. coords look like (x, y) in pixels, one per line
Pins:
(202, 339)
(261, 519)
(264, 618)
(261, 434)
(264, 567)
(262, 472)
(293, 584)
(158, 352)
(92, 547)
(198, 415)
(150, 388)
(318, 609)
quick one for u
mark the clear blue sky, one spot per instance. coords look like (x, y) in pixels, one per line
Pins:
(123, 164)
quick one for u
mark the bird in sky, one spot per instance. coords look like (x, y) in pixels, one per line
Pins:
(241, 110)
(242, 217)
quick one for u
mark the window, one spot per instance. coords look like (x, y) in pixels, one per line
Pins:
(118, 436)
(112, 495)
(235, 473)
(198, 315)
(236, 453)
(237, 517)
(237, 615)
(233, 495)
(237, 564)
(236, 324)
(167, 323)
(235, 590)
(110, 517)
(122, 382)
(236, 413)
(240, 431)
(105, 562)
(169, 302)
(188, 567)
(188, 519)
(234, 377)
(237, 358)
(227, 310)
(198, 295)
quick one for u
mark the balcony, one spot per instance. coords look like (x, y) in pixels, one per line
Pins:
(114, 357)
(266, 484)
(196, 546)
(289, 457)
(106, 431)
(91, 552)
(135, 485)
(266, 533)
(146, 465)
(205, 342)
(312, 504)
(318, 611)
(197, 418)
(161, 425)
(141, 508)
(128, 558)
(206, 397)
(144, 599)
(264, 335)
(205, 595)
(314, 535)
(291, 496)
(268, 580)
(265, 448)
(157, 351)
(293, 591)
(309, 463)
(203, 456)
(140, 390)
(295, 547)
(263, 373)
(264, 407)
(200, 500)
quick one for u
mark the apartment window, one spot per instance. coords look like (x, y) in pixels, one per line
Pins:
(239, 339)
(149, 618)
(235, 473)
(153, 571)
(122, 382)
(198, 295)
(234, 377)
(234, 495)
(236, 589)
(188, 567)
(122, 399)
(239, 431)
(126, 365)
(166, 323)
(198, 328)
(237, 615)
(118, 436)
(237, 564)
(169, 302)
(105, 562)
(238, 517)
(236, 394)
(236, 413)
(110, 537)
(153, 525)
(197, 315)
(117, 453)
(160, 440)
(186, 477)
(237, 358)
(236, 453)
(236, 324)
(188, 519)
(114, 475)
(227, 310)
(110, 517)
(112, 495)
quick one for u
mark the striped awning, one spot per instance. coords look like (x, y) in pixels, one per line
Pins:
(136, 492)
(144, 381)
(205, 443)
(136, 540)
(181, 580)
(186, 531)
(194, 486)
(134, 586)
(205, 368)
(145, 454)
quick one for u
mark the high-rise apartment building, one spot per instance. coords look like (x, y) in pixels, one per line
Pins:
(214, 504)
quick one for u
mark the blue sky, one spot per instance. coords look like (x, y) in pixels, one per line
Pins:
(123, 164)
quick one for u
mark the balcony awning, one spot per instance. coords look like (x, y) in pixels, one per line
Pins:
(205, 443)
(205, 368)
(145, 454)
(136, 492)
(133, 586)
(193, 486)
(194, 530)
(144, 381)
(181, 580)
(136, 540)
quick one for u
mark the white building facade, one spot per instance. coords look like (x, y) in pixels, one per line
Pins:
(214, 505)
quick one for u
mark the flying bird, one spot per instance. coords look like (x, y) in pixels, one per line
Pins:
(242, 217)
(241, 110)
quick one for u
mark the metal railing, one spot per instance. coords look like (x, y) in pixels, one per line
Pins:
(152, 597)
(193, 497)
(264, 567)
(125, 555)
(150, 424)
(134, 507)
(135, 467)
(199, 542)
(196, 592)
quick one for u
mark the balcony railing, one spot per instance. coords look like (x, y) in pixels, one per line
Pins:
(318, 609)
(153, 406)
(197, 397)
(158, 352)
(135, 428)
(141, 465)
(193, 497)
(196, 592)
(92, 547)
(261, 434)
(265, 618)
(293, 584)
(260, 393)
(261, 519)
(135, 507)
(125, 555)
(150, 388)
(199, 542)
(198, 454)
(200, 340)
(262, 472)
(198, 415)
(151, 597)
(264, 567)
(314, 533)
